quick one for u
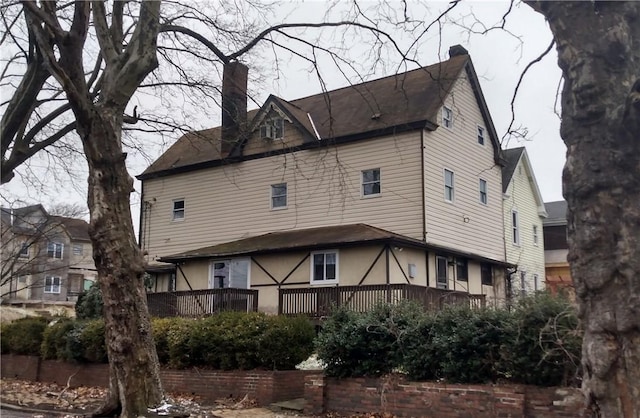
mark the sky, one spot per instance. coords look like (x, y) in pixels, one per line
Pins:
(499, 58)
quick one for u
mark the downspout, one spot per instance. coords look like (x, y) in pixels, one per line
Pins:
(142, 210)
(424, 203)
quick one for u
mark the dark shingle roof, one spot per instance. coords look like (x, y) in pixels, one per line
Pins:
(77, 229)
(313, 238)
(511, 157)
(398, 101)
(557, 213)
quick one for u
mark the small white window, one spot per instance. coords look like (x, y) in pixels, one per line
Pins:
(272, 129)
(178, 210)
(535, 235)
(535, 282)
(447, 117)
(279, 196)
(22, 279)
(55, 250)
(515, 227)
(448, 185)
(78, 249)
(24, 251)
(480, 135)
(371, 182)
(52, 284)
(324, 267)
(483, 192)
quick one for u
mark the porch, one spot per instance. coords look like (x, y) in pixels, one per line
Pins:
(197, 303)
(315, 302)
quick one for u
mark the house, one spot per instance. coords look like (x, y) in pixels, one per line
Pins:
(556, 249)
(45, 258)
(385, 189)
(524, 213)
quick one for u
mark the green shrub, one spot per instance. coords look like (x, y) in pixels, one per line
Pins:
(54, 340)
(421, 359)
(286, 342)
(469, 344)
(89, 304)
(548, 342)
(234, 340)
(160, 328)
(366, 344)
(92, 339)
(23, 336)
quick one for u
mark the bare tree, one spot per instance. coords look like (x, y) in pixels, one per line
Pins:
(598, 47)
(55, 95)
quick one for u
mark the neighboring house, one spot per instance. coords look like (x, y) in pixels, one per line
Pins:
(395, 181)
(524, 214)
(45, 258)
(556, 248)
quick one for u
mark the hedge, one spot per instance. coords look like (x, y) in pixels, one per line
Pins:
(536, 342)
(231, 340)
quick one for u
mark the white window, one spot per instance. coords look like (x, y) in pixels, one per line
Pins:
(279, 196)
(515, 228)
(272, 128)
(78, 249)
(448, 185)
(324, 267)
(535, 282)
(55, 250)
(447, 117)
(480, 135)
(22, 279)
(535, 235)
(24, 251)
(371, 182)
(52, 284)
(483, 191)
(178, 210)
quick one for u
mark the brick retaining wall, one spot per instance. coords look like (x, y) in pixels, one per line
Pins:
(264, 386)
(395, 395)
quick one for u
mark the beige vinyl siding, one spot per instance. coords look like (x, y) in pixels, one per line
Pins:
(323, 185)
(465, 224)
(527, 256)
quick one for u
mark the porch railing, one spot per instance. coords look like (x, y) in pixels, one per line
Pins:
(194, 303)
(319, 301)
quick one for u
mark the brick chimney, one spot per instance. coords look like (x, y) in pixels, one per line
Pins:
(234, 103)
(457, 50)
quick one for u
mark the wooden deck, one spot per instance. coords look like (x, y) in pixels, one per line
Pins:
(196, 303)
(317, 302)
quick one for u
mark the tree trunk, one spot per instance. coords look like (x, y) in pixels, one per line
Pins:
(599, 53)
(134, 382)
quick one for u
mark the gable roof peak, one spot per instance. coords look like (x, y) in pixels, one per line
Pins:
(456, 50)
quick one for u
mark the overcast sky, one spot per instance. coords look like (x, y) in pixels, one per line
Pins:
(499, 59)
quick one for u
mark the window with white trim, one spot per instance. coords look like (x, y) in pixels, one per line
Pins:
(52, 284)
(324, 267)
(535, 235)
(447, 117)
(448, 185)
(483, 191)
(272, 128)
(480, 135)
(178, 210)
(24, 250)
(279, 196)
(515, 227)
(55, 250)
(371, 182)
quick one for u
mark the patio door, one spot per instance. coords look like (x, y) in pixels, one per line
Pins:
(442, 272)
(233, 273)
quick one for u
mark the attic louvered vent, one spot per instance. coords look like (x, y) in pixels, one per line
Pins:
(272, 128)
